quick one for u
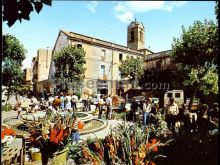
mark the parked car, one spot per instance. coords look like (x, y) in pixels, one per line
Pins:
(138, 100)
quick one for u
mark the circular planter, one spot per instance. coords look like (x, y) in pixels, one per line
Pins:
(60, 158)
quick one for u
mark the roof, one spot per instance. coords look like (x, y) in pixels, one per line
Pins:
(158, 55)
(103, 43)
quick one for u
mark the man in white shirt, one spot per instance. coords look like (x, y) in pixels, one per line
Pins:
(146, 111)
(172, 112)
(109, 107)
(73, 102)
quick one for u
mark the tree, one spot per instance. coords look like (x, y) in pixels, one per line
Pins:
(217, 11)
(196, 54)
(14, 10)
(132, 68)
(13, 49)
(13, 55)
(69, 64)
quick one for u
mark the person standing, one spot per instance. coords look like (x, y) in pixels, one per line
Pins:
(134, 108)
(68, 102)
(75, 130)
(45, 95)
(109, 107)
(172, 112)
(101, 104)
(62, 104)
(85, 101)
(146, 111)
(74, 101)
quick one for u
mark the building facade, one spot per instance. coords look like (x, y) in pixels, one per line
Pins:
(158, 60)
(40, 68)
(103, 58)
(28, 77)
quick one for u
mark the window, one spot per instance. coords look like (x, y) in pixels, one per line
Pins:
(120, 57)
(177, 95)
(79, 46)
(102, 71)
(103, 53)
(132, 35)
(169, 95)
(141, 38)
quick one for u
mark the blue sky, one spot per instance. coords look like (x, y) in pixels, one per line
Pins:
(108, 20)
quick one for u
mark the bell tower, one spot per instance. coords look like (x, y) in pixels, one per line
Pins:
(135, 35)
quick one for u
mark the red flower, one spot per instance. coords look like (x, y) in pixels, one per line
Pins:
(151, 143)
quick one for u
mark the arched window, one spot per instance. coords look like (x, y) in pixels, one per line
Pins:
(141, 38)
(132, 35)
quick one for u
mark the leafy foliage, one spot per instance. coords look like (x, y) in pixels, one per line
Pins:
(217, 10)
(197, 45)
(195, 54)
(132, 67)
(7, 107)
(69, 63)
(13, 55)
(14, 10)
(205, 77)
(13, 49)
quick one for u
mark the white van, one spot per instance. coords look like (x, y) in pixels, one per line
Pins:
(176, 94)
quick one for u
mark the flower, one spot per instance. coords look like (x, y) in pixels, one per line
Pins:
(151, 144)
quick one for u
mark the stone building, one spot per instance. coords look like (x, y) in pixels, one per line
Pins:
(102, 57)
(28, 77)
(40, 68)
(158, 60)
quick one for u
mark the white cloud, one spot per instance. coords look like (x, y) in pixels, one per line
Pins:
(125, 11)
(92, 6)
(125, 17)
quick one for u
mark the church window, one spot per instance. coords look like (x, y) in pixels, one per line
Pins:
(120, 57)
(132, 35)
(79, 46)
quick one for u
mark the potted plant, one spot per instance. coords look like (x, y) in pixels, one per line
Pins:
(51, 136)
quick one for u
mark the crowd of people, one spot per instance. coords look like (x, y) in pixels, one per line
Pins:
(145, 110)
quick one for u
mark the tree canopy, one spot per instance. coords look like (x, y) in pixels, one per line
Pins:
(197, 45)
(14, 10)
(132, 68)
(13, 55)
(195, 53)
(13, 49)
(69, 64)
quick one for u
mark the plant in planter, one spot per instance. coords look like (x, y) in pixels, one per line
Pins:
(50, 135)
(126, 144)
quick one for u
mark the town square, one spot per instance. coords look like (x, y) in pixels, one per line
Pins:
(109, 82)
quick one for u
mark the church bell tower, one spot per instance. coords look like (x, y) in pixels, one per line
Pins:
(135, 35)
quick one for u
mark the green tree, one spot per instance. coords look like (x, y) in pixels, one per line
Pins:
(217, 10)
(14, 10)
(13, 55)
(69, 64)
(195, 53)
(132, 68)
(13, 49)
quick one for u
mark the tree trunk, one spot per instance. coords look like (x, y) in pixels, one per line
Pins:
(192, 97)
(9, 92)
